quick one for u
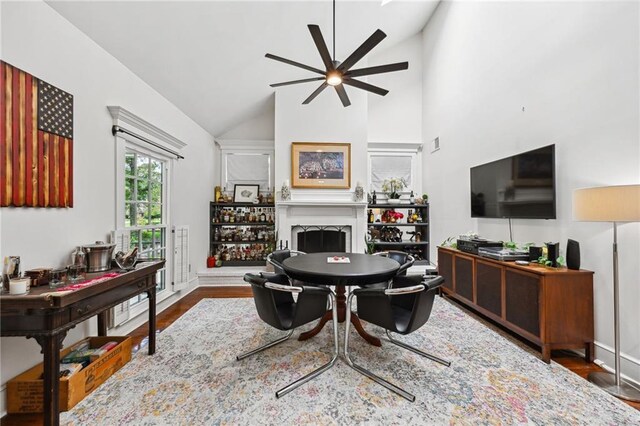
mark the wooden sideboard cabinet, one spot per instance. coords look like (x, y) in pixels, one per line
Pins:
(551, 307)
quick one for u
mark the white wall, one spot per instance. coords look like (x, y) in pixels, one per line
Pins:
(573, 68)
(258, 127)
(38, 40)
(323, 120)
(397, 117)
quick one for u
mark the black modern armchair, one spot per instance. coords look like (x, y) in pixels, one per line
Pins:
(276, 258)
(273, 296)
(403, 308)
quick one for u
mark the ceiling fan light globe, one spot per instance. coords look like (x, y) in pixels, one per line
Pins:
(334, 79)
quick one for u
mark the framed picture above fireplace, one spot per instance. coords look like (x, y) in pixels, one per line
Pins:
(320, 165)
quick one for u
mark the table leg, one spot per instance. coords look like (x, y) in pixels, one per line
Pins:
(341, 304)
(102, 323)
(315, 330)
(355, 320)
(151, 293)
(51, 387)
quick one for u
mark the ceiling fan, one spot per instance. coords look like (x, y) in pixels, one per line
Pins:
(336, 73)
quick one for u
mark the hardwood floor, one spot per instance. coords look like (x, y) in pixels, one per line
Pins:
(568, 359)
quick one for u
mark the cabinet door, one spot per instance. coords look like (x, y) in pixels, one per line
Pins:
(489, 287)
(522, 296)
(463, 267)
(445, 268)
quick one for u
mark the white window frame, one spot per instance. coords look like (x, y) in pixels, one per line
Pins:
(386, 150)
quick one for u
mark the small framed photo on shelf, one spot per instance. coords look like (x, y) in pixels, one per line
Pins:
(245, 193)
(320, 165)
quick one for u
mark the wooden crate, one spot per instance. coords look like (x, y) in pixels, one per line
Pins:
(24, 392)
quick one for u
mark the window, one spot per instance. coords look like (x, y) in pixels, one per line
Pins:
(246, 162)
(395, 160)
(145, 208)
(385, 167)
(248, 169)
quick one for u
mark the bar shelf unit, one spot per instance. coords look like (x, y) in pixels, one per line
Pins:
(419, 249)
(248, 252)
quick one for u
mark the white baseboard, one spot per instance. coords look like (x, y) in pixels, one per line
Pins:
(226, 276)
(605, 359)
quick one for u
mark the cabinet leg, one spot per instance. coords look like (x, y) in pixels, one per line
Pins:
(589, 352)
(546, 353)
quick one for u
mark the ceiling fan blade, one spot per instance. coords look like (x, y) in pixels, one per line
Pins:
(316, 34)
(306, 80)
(315, 93)
(365, 86)
(294, 63)
(343, 95)
(378, 69)
(364, 48)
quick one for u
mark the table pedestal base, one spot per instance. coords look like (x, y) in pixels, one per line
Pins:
(342, 309)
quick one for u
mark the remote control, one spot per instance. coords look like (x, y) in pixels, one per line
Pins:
(522, 262)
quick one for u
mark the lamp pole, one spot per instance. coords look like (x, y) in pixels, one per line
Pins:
(612, 383)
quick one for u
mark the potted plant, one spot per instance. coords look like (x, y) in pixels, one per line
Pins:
(392, 187)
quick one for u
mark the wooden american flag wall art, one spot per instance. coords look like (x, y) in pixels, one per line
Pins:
(36, 141)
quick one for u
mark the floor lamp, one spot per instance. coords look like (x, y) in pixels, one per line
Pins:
(615, 204)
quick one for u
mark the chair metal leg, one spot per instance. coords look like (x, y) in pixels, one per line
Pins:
(285, 390)
(417, 351)
(364, 371)
(267, 346)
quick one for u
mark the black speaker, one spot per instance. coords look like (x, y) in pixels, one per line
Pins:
(534, 253)
(553, 251)
(573, 254)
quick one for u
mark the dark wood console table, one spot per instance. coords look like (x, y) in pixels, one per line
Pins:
(551, 307)
(47, 317)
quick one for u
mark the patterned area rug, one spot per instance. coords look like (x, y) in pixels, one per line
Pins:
(194, 378)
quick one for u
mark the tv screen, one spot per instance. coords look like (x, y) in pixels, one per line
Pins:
(521, 186)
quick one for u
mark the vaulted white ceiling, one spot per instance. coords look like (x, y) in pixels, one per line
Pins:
(207, 57)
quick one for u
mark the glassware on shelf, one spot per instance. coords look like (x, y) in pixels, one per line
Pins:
(57, 277)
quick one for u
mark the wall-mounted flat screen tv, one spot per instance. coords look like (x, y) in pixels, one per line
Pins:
(521, 186)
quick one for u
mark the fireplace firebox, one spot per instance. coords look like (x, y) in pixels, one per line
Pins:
(315, 238)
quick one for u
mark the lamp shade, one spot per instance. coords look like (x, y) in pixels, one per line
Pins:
(607, 204)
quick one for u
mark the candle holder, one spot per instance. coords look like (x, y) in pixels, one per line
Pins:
(285, 192)
(19, 286)
(359, 193)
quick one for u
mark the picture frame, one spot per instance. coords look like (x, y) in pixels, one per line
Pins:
(245, 193)
(321, 165)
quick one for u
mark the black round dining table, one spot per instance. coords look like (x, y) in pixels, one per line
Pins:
(361, 270)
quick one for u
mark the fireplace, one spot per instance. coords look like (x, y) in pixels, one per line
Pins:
(347, 220)
(315, 239)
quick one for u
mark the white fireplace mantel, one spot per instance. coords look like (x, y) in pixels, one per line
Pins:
(323, 213)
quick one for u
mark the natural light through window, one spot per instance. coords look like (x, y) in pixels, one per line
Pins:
(145, 216)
